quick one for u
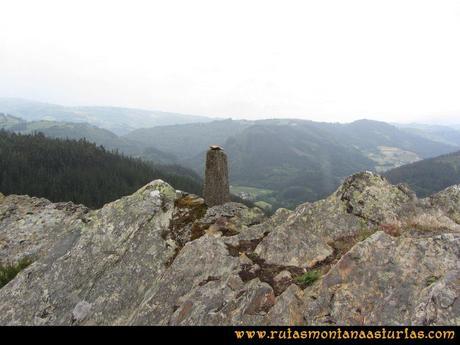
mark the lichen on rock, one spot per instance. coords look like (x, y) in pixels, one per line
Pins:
(162, 257)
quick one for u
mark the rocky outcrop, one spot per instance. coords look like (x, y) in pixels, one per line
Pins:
(371, 253)
(30, 226)
(391, 280)
(448, 201)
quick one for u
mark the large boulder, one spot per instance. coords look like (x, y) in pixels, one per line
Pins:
(317, 232)
(448, 201)
(30, 226)
(371, 253)
(100, 278)
(387, 280)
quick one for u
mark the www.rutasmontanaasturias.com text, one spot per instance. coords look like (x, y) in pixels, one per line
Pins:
(340, 333)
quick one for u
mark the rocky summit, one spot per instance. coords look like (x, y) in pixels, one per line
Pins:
(370, 254)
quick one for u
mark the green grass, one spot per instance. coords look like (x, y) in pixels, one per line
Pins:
(262, 198)
(431, 280)
(263, 205)
(309, 277)
(8, 272)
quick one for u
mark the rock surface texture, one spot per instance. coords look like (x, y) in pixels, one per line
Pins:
(371, 253)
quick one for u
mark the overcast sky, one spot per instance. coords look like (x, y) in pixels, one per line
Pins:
(320, 60)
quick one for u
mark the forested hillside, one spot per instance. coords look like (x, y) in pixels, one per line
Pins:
(188, 140)
(288, 161)
(275, 163)
(430, 175)
(295, 163)
(94, 134)
(78, 171)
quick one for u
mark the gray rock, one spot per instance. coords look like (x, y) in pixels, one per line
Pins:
(384, 280)
(30, 226)
(282, 281)
(291, 245)
(159, 257)
(115, 260)
(80, 311)
(448, 201)
(288, 309)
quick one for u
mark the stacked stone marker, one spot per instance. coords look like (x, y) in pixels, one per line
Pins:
(216, 187)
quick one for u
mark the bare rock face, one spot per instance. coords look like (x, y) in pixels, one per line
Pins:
(216, 188)
(84, 284)
(371, 253)
(316, 232)
(30, 226)
(448, 201)
(289, 308)
(388, 280)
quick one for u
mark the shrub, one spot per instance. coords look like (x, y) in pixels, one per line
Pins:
(431, 280)
(309, 277)
(8, 272)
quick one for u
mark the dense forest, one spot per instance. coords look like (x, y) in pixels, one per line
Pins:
(430, 175)
(78, 171)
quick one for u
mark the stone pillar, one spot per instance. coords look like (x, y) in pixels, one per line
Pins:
(216, 188)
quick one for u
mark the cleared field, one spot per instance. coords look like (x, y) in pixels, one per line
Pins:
(263, 205)
(262, 198)
(253, 192)
(392, 157)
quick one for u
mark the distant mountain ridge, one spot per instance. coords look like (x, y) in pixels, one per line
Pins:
(188, 140)
(116, 119)
(275, 162)
(286, 161)
(444, 134)
(82, 130)
(430, 175)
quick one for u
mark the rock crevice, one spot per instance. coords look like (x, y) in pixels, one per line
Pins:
(371, 253)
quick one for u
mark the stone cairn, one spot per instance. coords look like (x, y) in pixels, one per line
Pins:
(216, 188)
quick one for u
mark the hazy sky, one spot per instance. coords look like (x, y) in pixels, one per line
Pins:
(321, 60)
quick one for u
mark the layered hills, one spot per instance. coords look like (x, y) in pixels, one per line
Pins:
(274, 163)
(116, 119)
(283, 162)
(91, 133)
